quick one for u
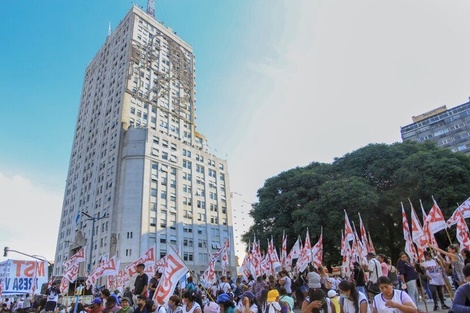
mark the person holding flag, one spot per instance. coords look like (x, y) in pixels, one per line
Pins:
(456, 262)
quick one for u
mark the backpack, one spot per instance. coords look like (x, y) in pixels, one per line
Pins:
(393, 275)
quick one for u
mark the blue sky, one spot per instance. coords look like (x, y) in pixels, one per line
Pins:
(279, 84)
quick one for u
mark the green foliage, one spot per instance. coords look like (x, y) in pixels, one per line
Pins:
(371, 181)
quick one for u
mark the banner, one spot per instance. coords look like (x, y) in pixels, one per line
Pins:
(17, 276)
(174, 270)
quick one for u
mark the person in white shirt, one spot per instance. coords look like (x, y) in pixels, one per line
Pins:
(374, 268)
(434, 272)
(285, 281)
(390, 300)
(352, 300)
(247, 303)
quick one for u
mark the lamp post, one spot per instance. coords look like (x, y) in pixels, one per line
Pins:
(93, 219)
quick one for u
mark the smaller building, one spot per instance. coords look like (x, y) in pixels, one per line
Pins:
(449, 128)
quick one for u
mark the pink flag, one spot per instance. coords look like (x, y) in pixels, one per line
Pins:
(284, 250)
(74, 259)
(409, 247)
(417, 232)
(363, 232)
(64, 286)
(348, 231)
(464, 209)
(174, 270)
(317, 251)
(462, 231)
(436, 220)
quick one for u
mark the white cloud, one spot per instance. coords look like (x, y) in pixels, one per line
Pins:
(29, 217)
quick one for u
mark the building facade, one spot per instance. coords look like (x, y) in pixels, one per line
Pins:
(449, 128)
(140, 174)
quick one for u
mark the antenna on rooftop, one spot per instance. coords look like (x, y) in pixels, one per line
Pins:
(151, 8)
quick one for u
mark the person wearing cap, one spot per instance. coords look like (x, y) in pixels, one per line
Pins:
(95, 306)
(272, 303)
(247, 303)
(211, 307)
(225, 303)
(125, 306)
(111, 305)
(333, 296)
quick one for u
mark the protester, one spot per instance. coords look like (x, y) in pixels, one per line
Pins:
(313, 278)
(392, 273)
(389, 298)
(224, 286)
(408, 276)
(352, 300)
(153, 283)
(466, 256)
(190, 304)
(434, 272)
(211, 307)
(247, 303)
(317, 302)
(456, 262)
(226, 305)
(334, 300)
(141, 305)
(111, 305)
(125, 306)
(461, 303)
(52, 297)
(382, 258)
(174, 304)
(284, 297)
(141, 281)
(95, 306)
(359, 279)
(272, 303)
(27, 303)
(258, 287)
(285, 281)
(106, 294)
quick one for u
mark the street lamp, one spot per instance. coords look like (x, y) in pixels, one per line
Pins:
(34, 256)
(93, 219)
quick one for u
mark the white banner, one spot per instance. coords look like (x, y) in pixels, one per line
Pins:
(17, 276)
(174, 270)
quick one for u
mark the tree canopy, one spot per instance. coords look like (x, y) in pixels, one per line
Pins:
(372, 181)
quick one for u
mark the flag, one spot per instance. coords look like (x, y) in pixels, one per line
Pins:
(306, 255)
(317, 251)
(64, 286)
(429, 236)
(148, 259)
(371, 244)
(110, 267)
(417, 232)
(462, 231)
(348, 231)
(272, 254)
(224, 258)
(284, 250)
(75, 259)
(208, 277)
(174, 270)
(409, 247)
(72, 273)
(464, 209)
(436, 221)
(363, 232)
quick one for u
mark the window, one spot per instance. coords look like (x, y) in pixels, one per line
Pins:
(187, 256)
(163, 239)
(129, 235)
(163, 195)
(221, 166)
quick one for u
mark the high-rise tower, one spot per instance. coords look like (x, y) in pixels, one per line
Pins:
(139, 171)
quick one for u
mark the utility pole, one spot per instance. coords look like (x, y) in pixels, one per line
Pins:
(93, 219)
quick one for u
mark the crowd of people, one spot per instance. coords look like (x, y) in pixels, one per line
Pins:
(376, 286)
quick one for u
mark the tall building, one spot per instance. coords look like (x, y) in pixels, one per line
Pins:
(449, 128)
(140, 174)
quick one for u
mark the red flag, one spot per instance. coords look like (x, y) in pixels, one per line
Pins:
(363, 232)
(74, 259)
(348, 231)
(436, 220)
(409, 247)
(371, 244)
(464, 209)
(64, 285)
(462, 231)
(284, 250)
(306, 256)
(431, 240)
(174, 270)
(72, 273)
(417, 232)
(317, 251)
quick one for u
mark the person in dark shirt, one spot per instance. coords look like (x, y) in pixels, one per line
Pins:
(408, 276)
(153, 283)
(359, 280)
(141, 305)
(141, 281)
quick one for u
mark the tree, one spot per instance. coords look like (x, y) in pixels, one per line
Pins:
(371, 181)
